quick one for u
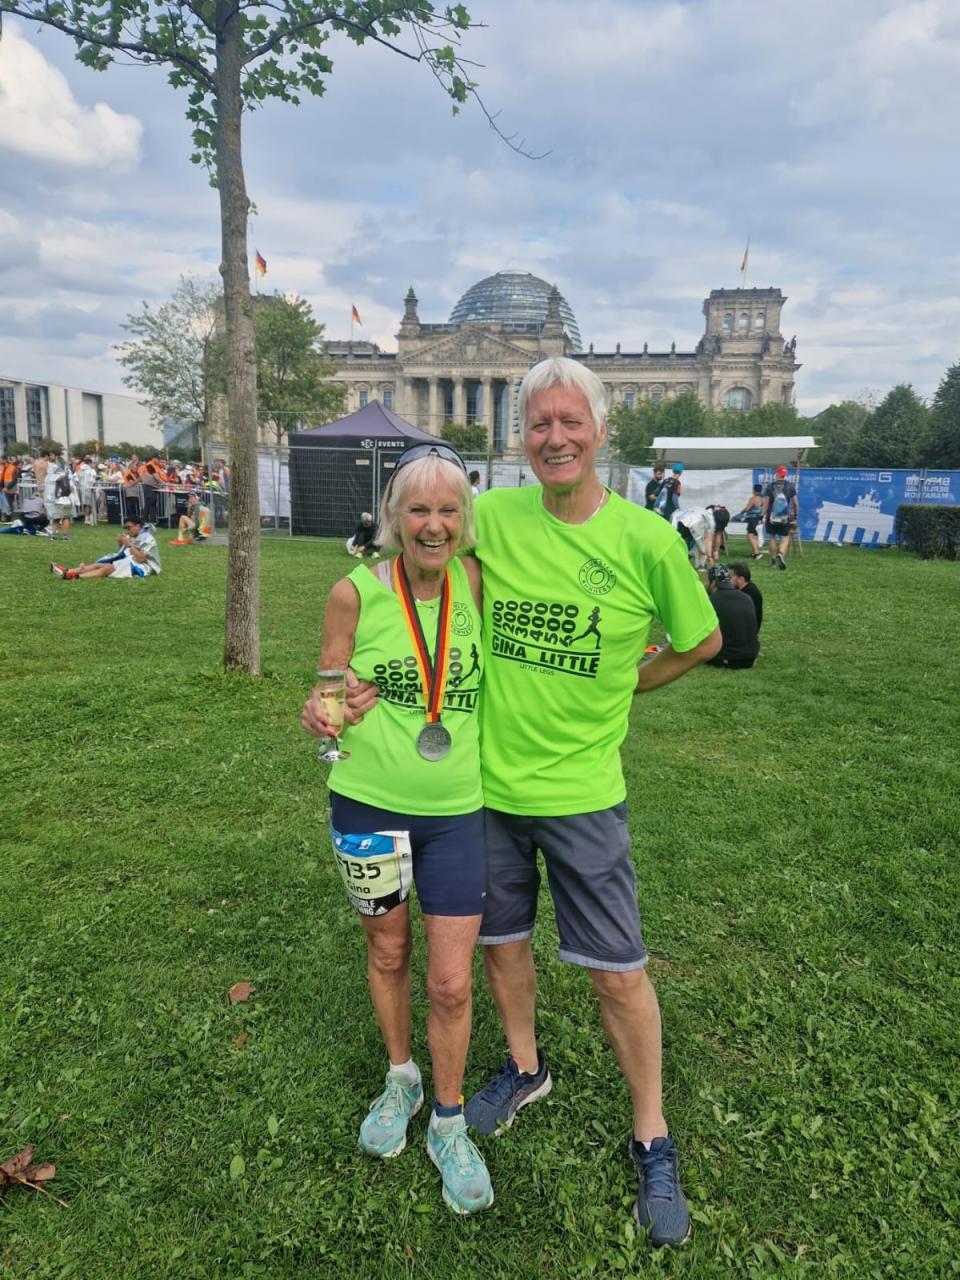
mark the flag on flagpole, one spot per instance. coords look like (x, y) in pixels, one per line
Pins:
(355, 317)
(261, 264)
(745, 258)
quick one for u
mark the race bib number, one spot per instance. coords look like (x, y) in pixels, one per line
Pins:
(377, 868)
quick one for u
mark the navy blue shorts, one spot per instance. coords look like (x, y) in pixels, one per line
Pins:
(591, 878)
(378, 851)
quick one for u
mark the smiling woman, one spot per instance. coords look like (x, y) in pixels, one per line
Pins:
(406, 803)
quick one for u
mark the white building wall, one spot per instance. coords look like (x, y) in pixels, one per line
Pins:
(74, 414)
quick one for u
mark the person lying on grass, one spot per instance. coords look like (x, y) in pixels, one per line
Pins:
(138, 557)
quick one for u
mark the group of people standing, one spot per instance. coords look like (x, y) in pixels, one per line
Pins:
(488, 697)
(772, 507)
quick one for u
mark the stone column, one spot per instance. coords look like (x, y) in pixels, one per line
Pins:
(459, 402)
(435, 419)
(407, 399)
(487, 417)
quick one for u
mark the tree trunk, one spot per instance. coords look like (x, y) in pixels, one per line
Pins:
(242, 628)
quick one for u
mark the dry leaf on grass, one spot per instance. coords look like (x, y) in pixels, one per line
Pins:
(241, 1040)
(240, 992)
(20, 1169)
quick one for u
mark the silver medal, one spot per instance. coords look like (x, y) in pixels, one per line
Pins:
(434, 741)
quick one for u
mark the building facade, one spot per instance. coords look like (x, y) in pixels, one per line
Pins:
(35, 411)
(467, 370)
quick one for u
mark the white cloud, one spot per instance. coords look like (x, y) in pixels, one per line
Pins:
(675, 130)
(40, 117)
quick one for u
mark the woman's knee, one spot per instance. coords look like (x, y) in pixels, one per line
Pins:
(390, 957)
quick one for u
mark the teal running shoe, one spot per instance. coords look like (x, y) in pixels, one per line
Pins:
(384, 1130)
(466, 1182)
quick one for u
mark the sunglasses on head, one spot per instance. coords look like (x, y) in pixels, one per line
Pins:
(417, 451)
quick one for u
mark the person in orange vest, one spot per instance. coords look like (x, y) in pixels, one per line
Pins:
(9, 476)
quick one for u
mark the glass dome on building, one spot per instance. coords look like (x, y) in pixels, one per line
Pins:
(513, 297)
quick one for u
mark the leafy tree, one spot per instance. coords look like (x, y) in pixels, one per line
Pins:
(466, 440)
(768, 420)
(942, 445)
(894, 434)
(631, 431)
(682, 416)
(229, 57)
(126, 448)
(836, 428)
(18, 449)
(170, 355)
(293, 386)
(83, 447)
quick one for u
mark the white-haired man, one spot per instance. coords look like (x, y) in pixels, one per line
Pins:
(573, 577)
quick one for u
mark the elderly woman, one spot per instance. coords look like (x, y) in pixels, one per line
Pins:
(407, 803)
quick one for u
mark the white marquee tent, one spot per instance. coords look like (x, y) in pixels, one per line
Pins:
(711, 452)
(720, 468)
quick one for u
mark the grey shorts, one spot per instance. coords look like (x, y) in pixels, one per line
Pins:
(591, 879)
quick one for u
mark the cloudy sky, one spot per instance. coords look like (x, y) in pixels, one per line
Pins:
(825, 132)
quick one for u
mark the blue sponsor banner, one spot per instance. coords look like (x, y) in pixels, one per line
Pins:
(858, 505)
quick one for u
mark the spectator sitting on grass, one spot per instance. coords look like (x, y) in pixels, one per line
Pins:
(31, 518)
(362, 543)
(138, 557)
(740, 577)
(195, 525)
(737, 618)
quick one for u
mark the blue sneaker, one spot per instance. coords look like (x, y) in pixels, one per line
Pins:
(494, 1108)
(384, 1130)
(661, 1207)
(466, 1182)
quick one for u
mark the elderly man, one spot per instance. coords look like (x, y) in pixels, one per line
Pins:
(573, 577)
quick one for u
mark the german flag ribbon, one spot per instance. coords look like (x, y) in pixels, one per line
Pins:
(433, 674)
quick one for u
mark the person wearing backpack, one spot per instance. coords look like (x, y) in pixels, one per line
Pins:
(58, 494)
(779, 512)
(668, 498)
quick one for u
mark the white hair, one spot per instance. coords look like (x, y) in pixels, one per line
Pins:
(564, 372)
(423, 476)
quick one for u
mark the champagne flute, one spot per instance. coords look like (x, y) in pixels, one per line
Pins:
(332, 686)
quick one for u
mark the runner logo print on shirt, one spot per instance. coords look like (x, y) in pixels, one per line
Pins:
(548, 636)
(597, 577)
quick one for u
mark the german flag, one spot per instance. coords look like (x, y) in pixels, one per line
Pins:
(261, 264)
(355, 316)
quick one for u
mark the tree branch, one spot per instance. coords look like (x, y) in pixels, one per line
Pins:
(85, 36)
(510, 139)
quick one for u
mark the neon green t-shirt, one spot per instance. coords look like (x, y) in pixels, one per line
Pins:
(566, 613)
(384, 768)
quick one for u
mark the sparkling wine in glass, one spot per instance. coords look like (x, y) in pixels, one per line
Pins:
(332, 686)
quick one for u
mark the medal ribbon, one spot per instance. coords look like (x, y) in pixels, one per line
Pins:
(433, 675)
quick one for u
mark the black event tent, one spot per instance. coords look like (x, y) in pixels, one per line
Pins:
(340, 469)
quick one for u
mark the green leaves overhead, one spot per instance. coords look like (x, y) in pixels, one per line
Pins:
(281, 44)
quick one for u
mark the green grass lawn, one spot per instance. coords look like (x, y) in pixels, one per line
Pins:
(795, 832)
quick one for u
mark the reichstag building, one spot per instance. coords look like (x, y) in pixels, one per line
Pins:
(467, 370)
